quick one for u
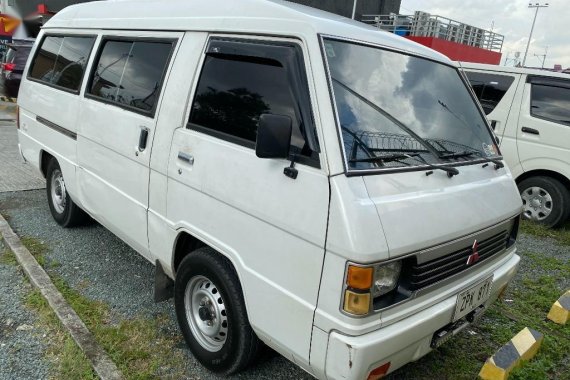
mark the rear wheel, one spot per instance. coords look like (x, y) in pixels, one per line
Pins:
(545, 200)
(65, 212)
(211, 313)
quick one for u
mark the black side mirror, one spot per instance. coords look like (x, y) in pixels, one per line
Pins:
(273, 136)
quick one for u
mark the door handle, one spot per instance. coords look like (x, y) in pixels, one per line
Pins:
(493, 124)
(143, 137)
(532, 131)
(186, 157)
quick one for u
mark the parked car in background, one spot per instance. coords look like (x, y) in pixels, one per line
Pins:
(530, 113)
(12, 66)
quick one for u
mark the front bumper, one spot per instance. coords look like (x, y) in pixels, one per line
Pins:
(353, 357)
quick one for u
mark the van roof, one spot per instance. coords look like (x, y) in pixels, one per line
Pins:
(510, 69)
(270, 17)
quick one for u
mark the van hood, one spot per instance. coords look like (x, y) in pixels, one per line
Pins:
(419, 211)
(382, 216)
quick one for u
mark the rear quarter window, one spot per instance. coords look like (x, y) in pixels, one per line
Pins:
(61, 61)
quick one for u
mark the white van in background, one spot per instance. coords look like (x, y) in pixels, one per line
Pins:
(302, 179)
(530, 113)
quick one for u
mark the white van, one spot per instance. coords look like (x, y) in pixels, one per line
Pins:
(530, 113)
(304, 180)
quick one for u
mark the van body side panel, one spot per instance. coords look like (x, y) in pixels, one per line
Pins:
(114, 173)
(509, 145)
(112, 178)
(48, 119)
(271, 227)
(172, 115)
(550, 149)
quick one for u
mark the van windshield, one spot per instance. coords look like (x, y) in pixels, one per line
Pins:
(397, 110)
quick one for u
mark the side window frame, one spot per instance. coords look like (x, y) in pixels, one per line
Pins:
(484, 101)
(296, 75)
(109, 37)
(55, 86)
(546, 82)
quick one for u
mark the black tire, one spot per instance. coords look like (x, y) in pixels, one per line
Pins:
(241, 346)
(547, 191)
(66, 213)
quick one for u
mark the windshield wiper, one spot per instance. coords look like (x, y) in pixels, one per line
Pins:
(396, 157)
(451, 171)
(498, 163)
(385, 158)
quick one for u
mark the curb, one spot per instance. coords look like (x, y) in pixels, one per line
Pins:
(560, 311)
(523, 346)
(102, 364)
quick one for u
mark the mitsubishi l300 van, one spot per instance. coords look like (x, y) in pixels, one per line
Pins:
(530, 113)
(301, 179)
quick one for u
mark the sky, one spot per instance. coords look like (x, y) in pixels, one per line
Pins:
(513, 19)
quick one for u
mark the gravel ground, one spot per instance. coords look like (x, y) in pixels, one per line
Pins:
(21, 344)
(548, 247)
(101, 267)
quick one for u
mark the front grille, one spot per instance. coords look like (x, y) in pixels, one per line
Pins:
(430, 272)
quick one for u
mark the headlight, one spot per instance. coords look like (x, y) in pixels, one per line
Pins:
(386, 278)
(365, 283)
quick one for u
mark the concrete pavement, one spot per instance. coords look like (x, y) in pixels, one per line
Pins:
(15, 175)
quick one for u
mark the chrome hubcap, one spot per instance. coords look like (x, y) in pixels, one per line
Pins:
(206, 313)
(537, 203)
(58, 193)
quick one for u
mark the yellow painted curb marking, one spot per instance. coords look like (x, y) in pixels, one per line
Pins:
(560, 311)
(523, 346)
(8, 99)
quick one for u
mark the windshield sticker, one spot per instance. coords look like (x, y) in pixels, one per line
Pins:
(489, 149)
(330, 50)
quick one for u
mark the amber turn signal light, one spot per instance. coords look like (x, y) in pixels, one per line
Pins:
(359, 278)
(356, 303)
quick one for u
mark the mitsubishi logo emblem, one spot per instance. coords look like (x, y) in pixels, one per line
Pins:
(474, 257)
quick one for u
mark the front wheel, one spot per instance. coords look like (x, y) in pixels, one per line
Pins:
(211, 313)
(545, 200)
(65, 212)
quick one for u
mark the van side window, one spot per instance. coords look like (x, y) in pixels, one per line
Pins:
(130, 73)
(489, 88)
(235, 90)
(550, 103)
(61, 61)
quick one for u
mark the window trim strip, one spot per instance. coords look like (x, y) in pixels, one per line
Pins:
(56, 127)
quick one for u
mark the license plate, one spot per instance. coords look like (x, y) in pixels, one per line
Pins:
(470, 299)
